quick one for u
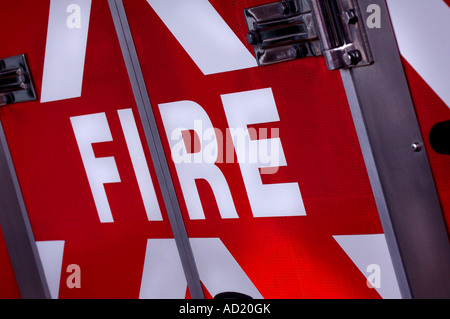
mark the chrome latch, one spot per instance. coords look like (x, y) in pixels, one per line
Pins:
(16, 84)
(288, 30)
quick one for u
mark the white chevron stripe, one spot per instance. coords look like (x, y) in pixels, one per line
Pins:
(365, 250)
(65, 50)
(51, 254)
(422, 30)
(204, 35)
(163, 275)
(218, 269)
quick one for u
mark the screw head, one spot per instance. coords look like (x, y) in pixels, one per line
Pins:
(352, 57)
(252, 38)
(416, 147)
(349, 17)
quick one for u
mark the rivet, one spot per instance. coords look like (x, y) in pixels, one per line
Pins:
(416, 147)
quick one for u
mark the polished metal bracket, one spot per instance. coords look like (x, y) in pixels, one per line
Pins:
(288, 30)
(16, 84)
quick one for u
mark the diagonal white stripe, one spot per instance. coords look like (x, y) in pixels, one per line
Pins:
(162, 276)
(51, 254)
(65, 50)
(218, 269)
(421, 28)
(365, 250)
(204, 35)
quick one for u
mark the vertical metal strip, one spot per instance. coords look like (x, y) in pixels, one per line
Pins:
(156, 148)
(17, 230)
(401, 177)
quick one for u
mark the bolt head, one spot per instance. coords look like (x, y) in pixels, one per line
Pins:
(349, 17)
(352, 57)
(416, 147)
(252, 38)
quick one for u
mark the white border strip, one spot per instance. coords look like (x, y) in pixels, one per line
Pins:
(65, 51)
(422, 31)
(204, 35)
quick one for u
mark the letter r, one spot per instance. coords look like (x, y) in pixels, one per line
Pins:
(181, 116)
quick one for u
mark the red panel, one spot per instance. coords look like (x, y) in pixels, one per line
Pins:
(285, 257)
(49, 167)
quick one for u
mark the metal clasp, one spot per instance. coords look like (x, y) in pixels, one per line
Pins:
(282, 31)
(342, 33)
(288, 30)
(15, 81)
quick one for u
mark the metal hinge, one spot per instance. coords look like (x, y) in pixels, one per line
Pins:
(288, 30)
(15, 81)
